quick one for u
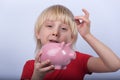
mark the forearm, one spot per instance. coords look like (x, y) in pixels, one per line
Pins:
(106, 54)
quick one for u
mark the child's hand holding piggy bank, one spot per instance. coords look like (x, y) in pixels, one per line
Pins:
(60, 54)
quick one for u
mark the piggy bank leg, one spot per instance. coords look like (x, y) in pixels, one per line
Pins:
(64, 67)
(58, 67)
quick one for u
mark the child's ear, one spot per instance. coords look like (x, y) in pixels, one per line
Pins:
(37, 35)
(72, 39)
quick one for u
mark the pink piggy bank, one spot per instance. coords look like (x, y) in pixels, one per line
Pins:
(60, 54)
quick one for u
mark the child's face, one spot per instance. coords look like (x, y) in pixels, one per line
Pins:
(54, 31)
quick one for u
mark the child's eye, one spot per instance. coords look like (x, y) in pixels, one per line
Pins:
(49, 26)
(64, 29)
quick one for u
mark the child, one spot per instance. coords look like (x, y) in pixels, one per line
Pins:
(57, 24)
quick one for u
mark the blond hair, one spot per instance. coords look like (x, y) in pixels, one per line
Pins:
(56, 12)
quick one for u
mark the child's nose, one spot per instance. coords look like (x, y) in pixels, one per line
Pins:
(55, 33)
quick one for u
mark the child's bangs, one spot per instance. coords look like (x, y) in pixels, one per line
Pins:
(62, 17)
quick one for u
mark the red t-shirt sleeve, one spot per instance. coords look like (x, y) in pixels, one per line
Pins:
(83, 60)
(27, 70)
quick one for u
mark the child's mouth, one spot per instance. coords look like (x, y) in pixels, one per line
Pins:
(53, 41)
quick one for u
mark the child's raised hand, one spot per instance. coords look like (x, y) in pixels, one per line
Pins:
(41, 68)
(83, 23)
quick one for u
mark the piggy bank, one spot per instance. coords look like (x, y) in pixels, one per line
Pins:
(59, 54)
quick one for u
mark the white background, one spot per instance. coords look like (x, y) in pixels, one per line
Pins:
(17, 19)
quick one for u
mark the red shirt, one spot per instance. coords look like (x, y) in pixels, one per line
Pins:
(75, 70)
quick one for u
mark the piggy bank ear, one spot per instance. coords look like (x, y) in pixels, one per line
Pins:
(69, 44)
(62, 44)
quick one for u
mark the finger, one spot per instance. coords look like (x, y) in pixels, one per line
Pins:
(86, 13)
(45, 63)
(47, 69)
(77, 20)
(81, 19)
(77, 17)
(37, 58)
